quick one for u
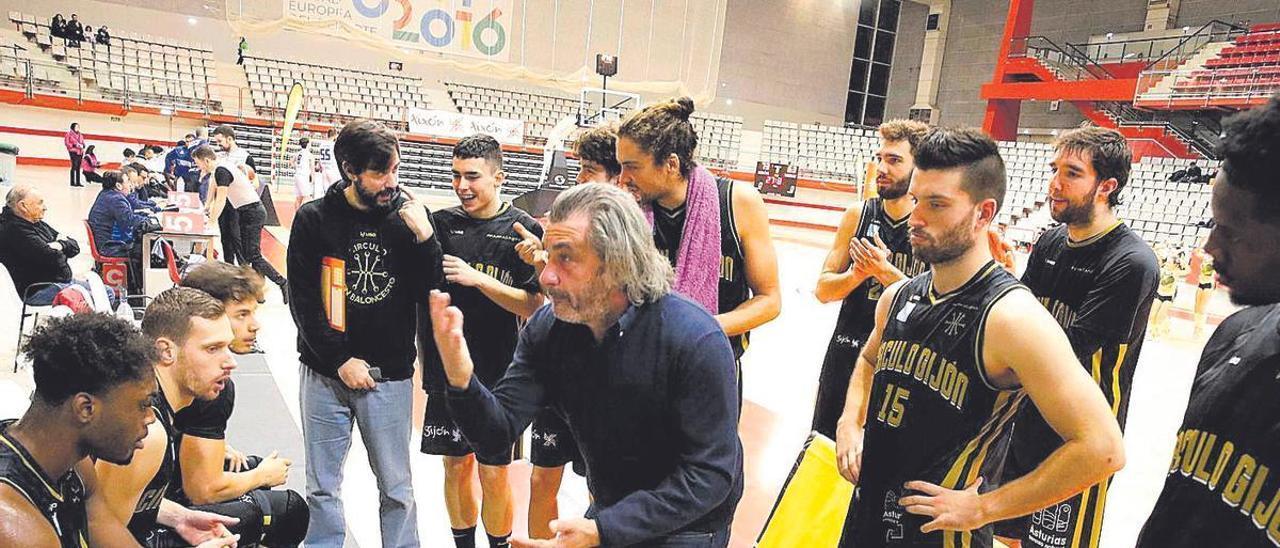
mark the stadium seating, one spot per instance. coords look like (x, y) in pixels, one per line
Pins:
(1250, 66)
(137, 69)
(820, 151)
(422, 165)
(334, 94)
(719, 136)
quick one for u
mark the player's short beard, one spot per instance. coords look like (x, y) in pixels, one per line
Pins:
(1077, 214)
(954, 242)
(898, 188)
(370, 199)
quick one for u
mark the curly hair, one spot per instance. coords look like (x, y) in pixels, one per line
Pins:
(1250, 151)
(598, 145)
(911, 131)
(89, 353)
(664, 129)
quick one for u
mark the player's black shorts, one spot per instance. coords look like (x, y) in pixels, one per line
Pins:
(1164, 298)
(1206, 286)
(552, 442)
(833, 382)
(440, 436)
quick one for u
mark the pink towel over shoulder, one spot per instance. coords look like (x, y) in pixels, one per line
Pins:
(698, 259)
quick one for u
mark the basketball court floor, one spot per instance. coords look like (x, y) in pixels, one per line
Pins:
(780, 374)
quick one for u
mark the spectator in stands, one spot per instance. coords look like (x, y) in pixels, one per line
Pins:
(1194, 174)
(114, 225)
(104, 37)
(89, 165)
(58, 27)
(241, 50)
(31, 249)
(75, 31)
(74, 141)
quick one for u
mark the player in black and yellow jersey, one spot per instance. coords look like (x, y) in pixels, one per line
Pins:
(1098, 279)
(1223, 487)
(876, 231)
(930, 401)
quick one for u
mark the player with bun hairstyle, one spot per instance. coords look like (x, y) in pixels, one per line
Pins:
(690, 209)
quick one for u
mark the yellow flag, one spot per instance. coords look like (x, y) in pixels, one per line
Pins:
(291, 109)
(811, 508)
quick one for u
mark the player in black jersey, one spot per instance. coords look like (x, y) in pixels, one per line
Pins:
(1098, 279)
(488, 282)
(191, 337)
(870, 252)
(1223, 487)
(207, 472)
(93, 384)
(656, 148)
(930, 401)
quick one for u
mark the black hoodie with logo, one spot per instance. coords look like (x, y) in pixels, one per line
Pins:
(355, 278)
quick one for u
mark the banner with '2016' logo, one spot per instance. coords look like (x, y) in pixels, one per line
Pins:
(473, 28)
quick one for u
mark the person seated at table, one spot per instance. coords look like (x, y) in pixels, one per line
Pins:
(114, 224)
(89, 165)
(136, 192)
(32, 250)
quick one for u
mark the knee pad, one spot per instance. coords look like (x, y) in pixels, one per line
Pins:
(284, 517)
(244, 509)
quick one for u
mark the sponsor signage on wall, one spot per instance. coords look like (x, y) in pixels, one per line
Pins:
(443, 123)
(472, 28)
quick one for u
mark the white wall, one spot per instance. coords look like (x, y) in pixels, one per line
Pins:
(134, 127)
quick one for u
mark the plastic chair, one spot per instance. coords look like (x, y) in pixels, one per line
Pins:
(27, 310)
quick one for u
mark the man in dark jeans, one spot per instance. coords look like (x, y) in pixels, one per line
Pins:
(233, 188)
(645, 379)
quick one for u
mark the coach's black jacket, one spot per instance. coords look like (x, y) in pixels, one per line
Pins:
(25, 251)
(386, 274)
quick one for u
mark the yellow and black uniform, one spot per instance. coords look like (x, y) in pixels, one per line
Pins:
(1223, 487)
(1100, 291)
(668, 228)
(143, 524)
(488, 245)
(858, 314)
(1169, 272)
(61, 501)
(933, 415)
(1206, 278)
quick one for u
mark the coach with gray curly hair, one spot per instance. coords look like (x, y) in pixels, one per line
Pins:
(644, 378)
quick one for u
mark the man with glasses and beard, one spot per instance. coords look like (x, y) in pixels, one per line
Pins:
(870, 252)
(360, 259)
(1098, 279)
(953, 354)
(1222, 488)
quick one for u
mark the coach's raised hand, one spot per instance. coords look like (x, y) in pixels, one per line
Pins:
(416, 217)
(446, 325)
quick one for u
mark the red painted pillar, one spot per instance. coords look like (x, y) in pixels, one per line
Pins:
(1001, 119)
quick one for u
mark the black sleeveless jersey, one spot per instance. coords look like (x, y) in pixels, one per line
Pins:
(668, 226)
(1223, 487)
(933, 415)
(1100, 291)
(143, 522)
(858, 310)
(61, 502)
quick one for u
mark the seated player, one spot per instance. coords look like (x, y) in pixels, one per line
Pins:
(94, 381)
(209, 470)
(191, 337)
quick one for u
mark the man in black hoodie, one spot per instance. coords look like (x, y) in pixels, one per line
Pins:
(31, 249)
(360, 259)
